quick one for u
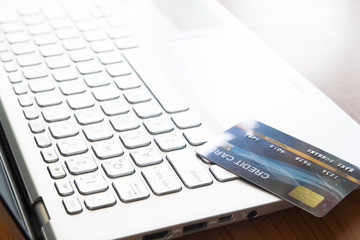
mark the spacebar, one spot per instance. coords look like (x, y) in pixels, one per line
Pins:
(162, 90)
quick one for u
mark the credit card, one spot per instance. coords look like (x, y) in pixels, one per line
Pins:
(298, 172)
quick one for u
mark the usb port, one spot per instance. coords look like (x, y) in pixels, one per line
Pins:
(194, 227)
(226, 218)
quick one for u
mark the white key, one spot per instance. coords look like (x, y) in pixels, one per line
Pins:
(100, 200)
(161, 180)
(3, 47)
(71, 146)
(146, 156)
(130, 189)
(64, 187)
(147, 109)
(97, 79)
(170, 141)
(51, 50)
(196, 136)
(52, 11)
(25, 100)
(137, 95)
(87, 25)
(221, 174)
(65, 74)
(28, 60)
(81, 164)
(6, 56)
(91, 183)
(118, 69)
(56, 113)
(113, 19)
(46, 99)
(117, 167)
(30, 113)
(185, 120)
(15, 77)
(56, 171)
(77, 12)
(39, 29)
(97, 132)
(125, 43)
(110, 57)
(102, 46)
(106, 93)
(32, 72)
(67, 33)
(17, 37)
(127, 82)
(10, 66)
(107, 149)
(63, 129)
(58, 62)
(20, 88)
(124, 122)
(74, 44)
(189, 169)
(115, 107)
(28, 9)
(44, 39)
(36, 126)
(8, 15)
(72, 87)
(61, 23)
(135, 138)
(81, 55)
(89, 116)
(80, 101)
(72, 205)
(22, 48)
(33, 19)
(94, 35)
(158, 125)
(117, 32)
(43, 140)
(89, 67)
(41, 85)
(12, 27)
(49, 155)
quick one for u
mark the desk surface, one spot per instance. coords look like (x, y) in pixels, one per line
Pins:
(321, 40)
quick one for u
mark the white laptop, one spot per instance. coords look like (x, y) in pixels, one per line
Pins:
(104, 103)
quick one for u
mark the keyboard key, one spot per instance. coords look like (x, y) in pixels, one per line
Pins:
(41, 85)
(33, 19)
(100, 200)
(52, 12)
(94, 35)
(118, 69)
(51, 50)
(63, 129)
(117, 167)
(22, 48)
(32, 72)
(20, 88)
(44, 39)
(189, 169)
(135, 138)
(102, 46)
(64, 187)
(74, 44)
(84, 26)
(147, 109)
(130, 189)
(106, 93)
(146, 156)
(137, 95)
(170, 142)
(43, 140)
(118, 32)
(67, 33)
(15, 77)
(72, 87)
(3, 47)
(12, 27)
(158, 125)
(17, 37)
(161, 180)
(56, 171)
(25, 100)
(30, 113)
(8, 15)
(221, 174)
(10, 66)
(71, 146)
(36, 126)
(115, 107)
(61, 23)
(46, 99)
(196, 136)
(80, 101)
(124, 122)
(49, 155)
(81, 55)
(89, 116)
(28, 60)
(72, 205)
(107, 149)
(77, 12)
(97, 132)
(6, 56)
(127, 82)
(125, 43)
(58, 62)
(97, 79)
(65, 74)
(39, 29)
(185, 120)
(89, 67)
(56, 113)
(110, 57)
(28, 9)
(81, 164)
(91, 183)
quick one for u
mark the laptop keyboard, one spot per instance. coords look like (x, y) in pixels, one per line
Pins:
(102, 135)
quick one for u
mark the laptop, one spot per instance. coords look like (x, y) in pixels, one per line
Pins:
(103, 104)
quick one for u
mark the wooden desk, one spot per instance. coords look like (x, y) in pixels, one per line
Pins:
(321, 40)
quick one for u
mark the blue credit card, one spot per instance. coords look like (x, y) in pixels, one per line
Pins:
(298, 172)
